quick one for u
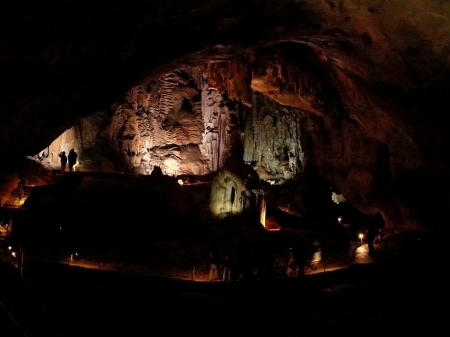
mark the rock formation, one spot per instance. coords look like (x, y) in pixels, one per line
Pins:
(236, 190)
(272, 139)
(285, 114)
(356, 89)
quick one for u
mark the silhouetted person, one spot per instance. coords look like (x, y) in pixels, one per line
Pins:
(226, 263)
(375, 224)
(214, 269)
(72, 159)
(316, 254)
(292, 268)
(157, 172)
(63, 157)
(264, 260)
(301, 257)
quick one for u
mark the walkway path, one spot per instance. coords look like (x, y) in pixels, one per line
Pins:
(335, 263)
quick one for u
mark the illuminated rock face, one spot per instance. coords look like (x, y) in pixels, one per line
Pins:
(191, 121)
(236, 190)
(178, 122)
(49, 157)
(272, 139)
(369, 78)
(186, 123)
(159, 124)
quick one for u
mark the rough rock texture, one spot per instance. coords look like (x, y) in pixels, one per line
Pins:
(272, 140)
(178, 122)
(370, 77)
(235, 190)
(185, 122)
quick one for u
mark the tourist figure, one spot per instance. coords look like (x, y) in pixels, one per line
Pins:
(375, 224)
(292, 268)
(352, 250)
(317, 255)
(72, 159)
(226, 276)
(63, 157)
(214, 269)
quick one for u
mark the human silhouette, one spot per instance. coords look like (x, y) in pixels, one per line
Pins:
(214, 269)
(72, 159)
(226, 276)
(292, 267)
(63, 157)
(376, 223)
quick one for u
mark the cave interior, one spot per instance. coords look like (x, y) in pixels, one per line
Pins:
(217, 125)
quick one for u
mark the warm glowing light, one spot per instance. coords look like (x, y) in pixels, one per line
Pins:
(13, 254)
(361, 237)
(180, 182)
(339, 219)
(9, 247)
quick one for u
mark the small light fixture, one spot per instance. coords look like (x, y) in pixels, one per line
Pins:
(361, 237)
(13, 254)
(180, 182)
(339, 219)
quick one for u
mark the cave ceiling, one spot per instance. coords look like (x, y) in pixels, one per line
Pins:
(368, 78)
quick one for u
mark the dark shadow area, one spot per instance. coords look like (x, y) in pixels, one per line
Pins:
(155, 222)
(396, 296)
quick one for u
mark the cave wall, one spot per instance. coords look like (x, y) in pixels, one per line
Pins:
(191, 121)
(377, 131)
(49, 157)
(297, 110)
(179, 122)
(272, 139)
(236, 189)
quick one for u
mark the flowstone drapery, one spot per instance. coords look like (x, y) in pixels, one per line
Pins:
(236, 190)
(272, 141)
(179, 122)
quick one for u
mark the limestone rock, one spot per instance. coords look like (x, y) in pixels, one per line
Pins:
(236, 190)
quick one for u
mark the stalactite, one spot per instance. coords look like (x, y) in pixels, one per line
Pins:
(272, 138)
(157, 116)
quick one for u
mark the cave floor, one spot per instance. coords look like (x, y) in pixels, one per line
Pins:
(368, 299)
(200, 274)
